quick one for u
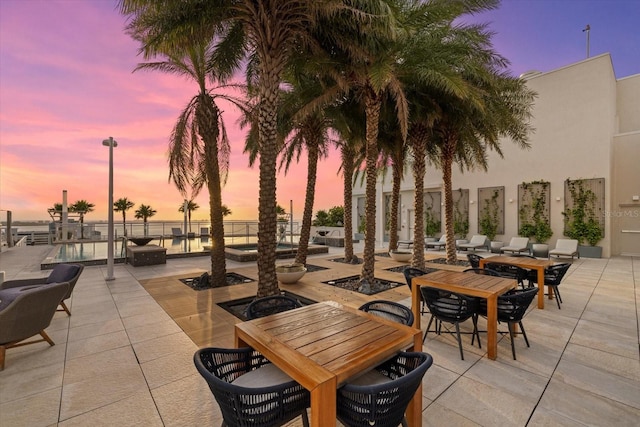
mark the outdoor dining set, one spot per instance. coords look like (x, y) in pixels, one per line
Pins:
(365, 367)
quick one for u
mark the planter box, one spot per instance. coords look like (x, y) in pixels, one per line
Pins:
(146, 255)
(590, 251)
(495, 246)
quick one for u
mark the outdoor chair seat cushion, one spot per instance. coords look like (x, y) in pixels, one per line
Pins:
(265, 376)
(7, 296)
(371, 377)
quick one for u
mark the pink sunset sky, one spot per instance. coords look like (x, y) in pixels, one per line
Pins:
(66, 84)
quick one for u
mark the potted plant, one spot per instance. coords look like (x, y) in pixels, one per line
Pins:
(489, 221)
(534, 216)
(290, 273)
(580, 221)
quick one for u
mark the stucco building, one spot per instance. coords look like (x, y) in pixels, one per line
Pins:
(587, 126)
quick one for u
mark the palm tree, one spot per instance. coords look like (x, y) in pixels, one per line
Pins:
(145, 212)
(123, 205)
(199, 146)
(266, 30)
(366, 66)
(191, 206)
(467, 128)
(82, 207)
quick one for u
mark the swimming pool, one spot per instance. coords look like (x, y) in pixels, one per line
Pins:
(95, 253)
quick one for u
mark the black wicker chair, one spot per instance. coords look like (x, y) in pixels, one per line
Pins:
(410, 273)
(553, 277)
(474, 260)
(485, 271)
(389, 310)
(382, 399)
(512, 307)
(266, 306)
(249, 389)
(511, 272)
(450, 307)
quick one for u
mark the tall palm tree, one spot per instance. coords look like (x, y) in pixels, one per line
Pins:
(268, 31)
(145, 212)
(348, 121)
(366, 67)
(191, 206)
(123, 205)
(82, 207)
(199, 147)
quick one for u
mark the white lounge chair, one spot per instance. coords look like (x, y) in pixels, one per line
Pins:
(477, 241)
(516, 245)
(176, 233)
(437, 245)
(565, 247)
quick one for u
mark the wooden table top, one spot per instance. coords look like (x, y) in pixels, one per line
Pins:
(319, 341)
(477, 285)
(520, 261)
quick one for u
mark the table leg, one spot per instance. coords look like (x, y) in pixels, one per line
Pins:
(323, 404)
(414, 410)
(492, 327)
(415, 305)
(540, 287)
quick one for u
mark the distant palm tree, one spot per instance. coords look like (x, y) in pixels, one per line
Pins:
(123, 205)
(81, 207)
(191, 206)
(145, 212)
(225, 210)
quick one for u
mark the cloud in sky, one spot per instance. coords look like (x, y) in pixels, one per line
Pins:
(66, 83)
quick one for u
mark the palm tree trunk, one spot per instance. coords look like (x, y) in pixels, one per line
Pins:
(419, 144)
(372, 109)
(447, 162)
(395, 196)
(267, 217)
(305, 231)
(347, 170)
(208, 120)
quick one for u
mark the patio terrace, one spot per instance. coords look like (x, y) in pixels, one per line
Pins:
(124, 357)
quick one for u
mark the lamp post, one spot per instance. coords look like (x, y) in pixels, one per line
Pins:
(111, 143)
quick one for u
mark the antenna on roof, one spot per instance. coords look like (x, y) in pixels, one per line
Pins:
(587, 29)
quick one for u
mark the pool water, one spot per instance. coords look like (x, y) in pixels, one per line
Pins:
(94, 251)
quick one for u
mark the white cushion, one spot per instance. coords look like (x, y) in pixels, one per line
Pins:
(265, 376)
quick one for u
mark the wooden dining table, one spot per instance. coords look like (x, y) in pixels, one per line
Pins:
(524, 262)
(476, 285)
(324, 345)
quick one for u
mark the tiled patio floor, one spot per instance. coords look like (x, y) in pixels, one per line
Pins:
(124, 357)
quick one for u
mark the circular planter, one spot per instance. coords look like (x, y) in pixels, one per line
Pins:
(290, 273)
(401, 256)
(540, 250)
(495, 246)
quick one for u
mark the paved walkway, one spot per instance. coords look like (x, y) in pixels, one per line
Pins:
(120, 359)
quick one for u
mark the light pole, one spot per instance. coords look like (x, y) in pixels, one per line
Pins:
(111, 143)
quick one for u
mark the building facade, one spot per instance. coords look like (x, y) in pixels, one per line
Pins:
(587, 126)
